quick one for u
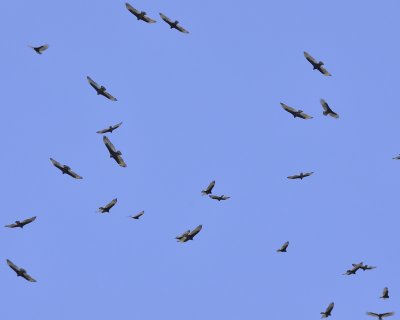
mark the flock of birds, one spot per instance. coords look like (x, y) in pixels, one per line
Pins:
(188, 234)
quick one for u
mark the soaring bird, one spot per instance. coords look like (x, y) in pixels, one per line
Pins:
(40, 49)
(356, 267)
(380, 315)
(20, 272)
(173, 24)
(116, 155)
(385, 293)
(328, 110)
(301, 175)
(140, 15)
(208, 190)
(189, 235)
(317, 65)
(108, 206)
(284, 247)
(65, 169)
(138, 215)
(296, 113)
(100, 89)
(328, 311)
(219, 198)
(110, 129)
(21, 224)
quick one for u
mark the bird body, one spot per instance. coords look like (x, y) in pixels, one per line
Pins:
(137, 216)
(189, 235)
(385, 293)
(327, 110)
(219, 198)
(108, 206)
(114, 153)
(140, 15)
(316, 65)
(173, 24)
(40, 49)
(296, 113)
(208, 190)
(300, 176)
(380, 315)
(100, 90)
(21, 224)
(110, 129)
(284, 247)
(20, 271)
(65, 169)
(328, 310)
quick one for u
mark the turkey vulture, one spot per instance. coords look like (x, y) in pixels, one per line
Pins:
(317, 65)
(65, 169)
(110, 129)
(284, 247)
(328, 310)
(328, 110)
(208, 190)
(367, 267)
(116, 155)
(140, 15)
(21, 224)
(100, 89)
(301, 175)
(20, 272)
(189, 235)
(137, 216)
(296, 113)
(355, 268)
(108, 206)
(40, 49)
(218, 198)
(385, 293)
(173, 24)
(380, 315)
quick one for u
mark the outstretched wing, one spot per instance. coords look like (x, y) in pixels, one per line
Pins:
(148, 19)
(285, 245)
(387, 314)
(196, 230)
(166, 19)
(385, 292)
(373, 314)
(132, 9)
(307, 174)
(330, 307)
(296, 176)
(109, 145)
(209, 188)
(12, 266)
(324, 71)
(181, 29)
(137, 216)
(28, 277)
(115, 126)
(56, 164)
(109, 96)
(305, 116)
(120, 161)
(310, 58)
(111, 204)
(73, 174)
(225, 197)
(13, 225)
(183, 235)
(103, 131)
(288, 109)
(214, 197)
(29, 220)
(93, 83)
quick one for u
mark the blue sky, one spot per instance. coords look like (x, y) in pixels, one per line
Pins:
(199, 107)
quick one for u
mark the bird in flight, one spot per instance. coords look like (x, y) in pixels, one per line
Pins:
(284, 247)
(317, 65)
(189, 235)
(328, 110)
(65, 169)
(397, 157)
(100, 89)
(21, 224)
(328, 311)
(140, 15)
(380, 315)
(110, 129)
(385, 293)
(138, 215)
(219, 198)
(301, 175)
(108, 206)
(40, 49)
(20, 272)
(173, 24)
(296, 113)
(116, 155)
(356, 267)
(208, 190)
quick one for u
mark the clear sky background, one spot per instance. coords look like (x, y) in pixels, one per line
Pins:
(199, 107)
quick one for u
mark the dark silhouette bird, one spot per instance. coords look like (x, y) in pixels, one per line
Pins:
(367, 267)
(284, 247)
(356, 267)
(317, 65)
(380, 315)
(301, 175)
(397, 157)
(100, 89)
(385, 293)
(328, 110)
(40, 49)
(140, 15)
(137, 216)
(110, 128)
(20, 272)
(328, 311)
(219, 198)
(116, 155)
(173, 24)
(189, 235)
(65, 169)
(296, 113)
(21, 224)
(108, 206)
(208, 190)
